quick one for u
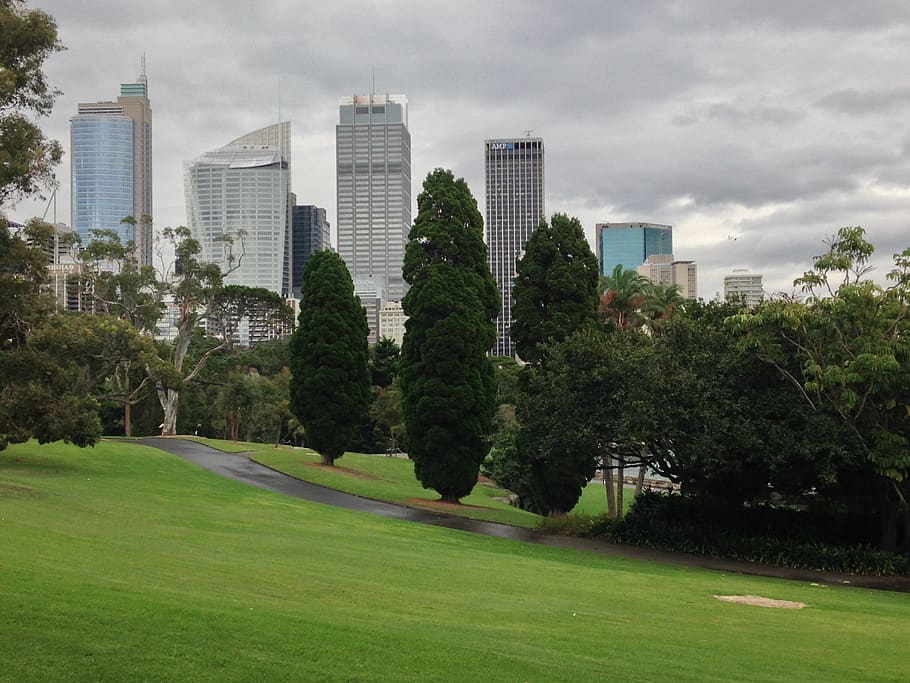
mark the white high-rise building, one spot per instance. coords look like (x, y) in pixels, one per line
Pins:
(373, 175)
(663, 269)
(241, 191)
(515, 205)
(743, 286)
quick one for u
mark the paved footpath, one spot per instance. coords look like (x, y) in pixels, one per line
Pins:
(239, 467)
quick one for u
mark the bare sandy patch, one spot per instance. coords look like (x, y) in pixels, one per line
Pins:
(759, 601)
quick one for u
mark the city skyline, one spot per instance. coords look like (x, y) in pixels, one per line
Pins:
(756, 131)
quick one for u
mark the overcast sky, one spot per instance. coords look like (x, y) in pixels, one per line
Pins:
(755, 129)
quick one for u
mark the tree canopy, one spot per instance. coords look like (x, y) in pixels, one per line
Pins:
(330, 384)
(447, 380)
(555, 290)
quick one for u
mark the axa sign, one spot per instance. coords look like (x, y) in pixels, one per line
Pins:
(501, 145)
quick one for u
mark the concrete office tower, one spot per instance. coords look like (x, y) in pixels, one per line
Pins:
(310, 232)
(244, 187)
(373, 175)
(630, 244)
(111, 166)
(514, 170)
(663, 269)
(743, 286)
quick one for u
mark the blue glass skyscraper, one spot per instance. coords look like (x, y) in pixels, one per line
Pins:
(630, 244)
(111, 167)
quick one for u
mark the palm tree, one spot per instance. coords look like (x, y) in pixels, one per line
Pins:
(661, 302)
(623, 295)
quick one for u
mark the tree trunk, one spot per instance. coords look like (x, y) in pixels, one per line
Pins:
(169, 398)
(450, 498)
(620, 486)
(608, 485)
(639, 485)
(127, 419)
(327, 459)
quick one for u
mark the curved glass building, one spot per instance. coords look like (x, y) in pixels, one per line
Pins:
(630, 244)
(241, 191)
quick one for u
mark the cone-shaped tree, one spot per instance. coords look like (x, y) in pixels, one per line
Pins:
(555, 290)
(330, 384)
(447, 380)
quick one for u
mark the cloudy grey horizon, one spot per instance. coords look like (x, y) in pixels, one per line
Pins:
(755, 129)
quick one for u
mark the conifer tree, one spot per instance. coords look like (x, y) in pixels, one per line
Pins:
(555, 291)
(330, 384)
(447, 380)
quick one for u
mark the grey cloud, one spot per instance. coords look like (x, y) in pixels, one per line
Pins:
(866, 102)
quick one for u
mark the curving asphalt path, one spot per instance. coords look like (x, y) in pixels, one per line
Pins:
(239, 467)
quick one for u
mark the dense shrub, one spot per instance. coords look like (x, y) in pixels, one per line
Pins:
(780, 536)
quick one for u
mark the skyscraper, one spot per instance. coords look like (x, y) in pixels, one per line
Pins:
(515, 206)
(630, 244)
(373, 174)
(310, 232)
(744, 287)
(243, 189)
(111, 166)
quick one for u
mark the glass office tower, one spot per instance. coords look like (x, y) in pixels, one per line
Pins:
(111, 167)
(515, 206)
(630, 244)
(373, 175)
(310, 232)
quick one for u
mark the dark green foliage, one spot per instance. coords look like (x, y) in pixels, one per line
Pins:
(27, 158)
(781, 536)
(260, 307)
(384, 357)
(447, 380)
(555, 290)
(560, 436)
(330, 385)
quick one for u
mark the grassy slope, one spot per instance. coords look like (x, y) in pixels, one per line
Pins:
(380, 478)
(124, 563)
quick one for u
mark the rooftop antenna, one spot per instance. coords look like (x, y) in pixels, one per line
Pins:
(373, 87)
(143, 78)
(528, 132)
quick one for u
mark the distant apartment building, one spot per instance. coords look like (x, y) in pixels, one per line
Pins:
(391, 321)
(310, 232)
(514, 174)
(744, 287)
(665, 270)
(111, 167)
(630, 244)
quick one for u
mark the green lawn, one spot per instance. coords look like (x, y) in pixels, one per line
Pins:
(380, 478)
(123, 563)
(392, 479)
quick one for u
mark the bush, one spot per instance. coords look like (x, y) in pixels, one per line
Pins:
(785, 537)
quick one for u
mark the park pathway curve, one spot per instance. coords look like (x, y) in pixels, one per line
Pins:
(240, 467)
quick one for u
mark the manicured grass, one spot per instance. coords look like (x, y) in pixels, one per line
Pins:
(392, 480)
(123, 563)
(593, 499)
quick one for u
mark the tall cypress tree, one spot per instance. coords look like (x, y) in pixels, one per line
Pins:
(330, 383)
(555, 291)
(447, 381)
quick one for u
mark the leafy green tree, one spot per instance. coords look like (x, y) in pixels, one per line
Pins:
(260, 308)
(386, 411)
(447, 380)
(555, 291)
(851, 342)
(27, 159)
(330, 385)
(384, 357)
